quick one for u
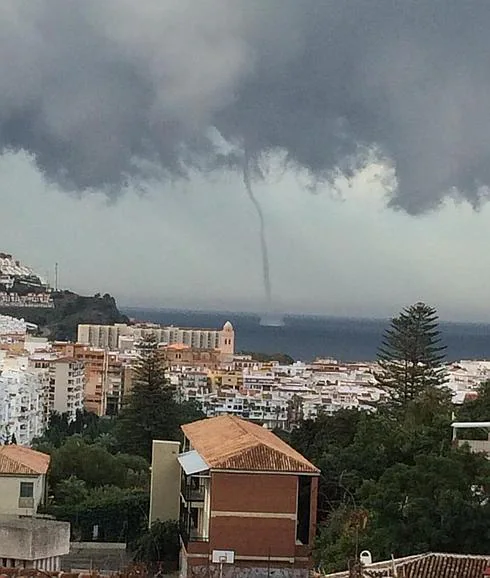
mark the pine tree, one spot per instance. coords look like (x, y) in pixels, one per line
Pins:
(411, 356)
(151, 411)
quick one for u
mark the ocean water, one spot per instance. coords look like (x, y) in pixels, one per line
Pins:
(308, 337)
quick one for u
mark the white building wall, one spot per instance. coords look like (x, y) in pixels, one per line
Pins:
(10, 494)
(21, 405)
(67, 382)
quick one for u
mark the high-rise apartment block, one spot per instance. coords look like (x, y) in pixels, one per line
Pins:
(66, 386)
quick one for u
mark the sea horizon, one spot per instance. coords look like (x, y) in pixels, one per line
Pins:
(306, 337)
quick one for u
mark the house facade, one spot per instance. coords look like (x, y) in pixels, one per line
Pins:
(247, 501)
(22, 480)
(26, 539)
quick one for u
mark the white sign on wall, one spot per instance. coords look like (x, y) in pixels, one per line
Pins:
(223, 557)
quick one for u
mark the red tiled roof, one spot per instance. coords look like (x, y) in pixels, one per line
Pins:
(230, 443)
(427, 566)
(21, 460)
(445, 566)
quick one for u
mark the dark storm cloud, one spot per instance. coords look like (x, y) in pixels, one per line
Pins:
(99, 90)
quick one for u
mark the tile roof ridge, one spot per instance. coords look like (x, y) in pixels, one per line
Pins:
(19, 455)
(460, 556)
(13, 463)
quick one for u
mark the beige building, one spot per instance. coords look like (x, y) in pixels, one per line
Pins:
(22, 480)
(184, 356)
(121, 336)
(104, 371)
(165, 481)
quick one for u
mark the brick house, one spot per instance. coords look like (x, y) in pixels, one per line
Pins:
(248, 502)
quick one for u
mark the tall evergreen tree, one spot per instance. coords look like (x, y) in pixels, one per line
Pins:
(411, 356)
(151, 411)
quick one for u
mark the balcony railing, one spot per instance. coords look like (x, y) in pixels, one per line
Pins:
(193, 536)
(193, 488)
(193, 495)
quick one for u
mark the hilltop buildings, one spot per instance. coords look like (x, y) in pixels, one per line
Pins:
(247, 499)
(20, 286)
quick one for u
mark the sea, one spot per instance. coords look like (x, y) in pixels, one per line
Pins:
(306, 337)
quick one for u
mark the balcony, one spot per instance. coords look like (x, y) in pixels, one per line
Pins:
(195, 540)
(477, 430)
(193, 488)
(193, 494)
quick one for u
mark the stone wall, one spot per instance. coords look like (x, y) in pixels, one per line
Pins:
(239, 571)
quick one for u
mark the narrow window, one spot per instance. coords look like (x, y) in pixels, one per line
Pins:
(304, 500)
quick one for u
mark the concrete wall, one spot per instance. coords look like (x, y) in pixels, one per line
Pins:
(10, 493)
(104, 556)
(165, 481)
(33, 538)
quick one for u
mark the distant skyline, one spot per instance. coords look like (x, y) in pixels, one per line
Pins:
(129, 131)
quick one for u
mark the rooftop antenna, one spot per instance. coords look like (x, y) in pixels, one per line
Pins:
(56, 277)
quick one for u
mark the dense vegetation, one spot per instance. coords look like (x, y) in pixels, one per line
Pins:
(392, 482)
(69, 311)
(282, 358)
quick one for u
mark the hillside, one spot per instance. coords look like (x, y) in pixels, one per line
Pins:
(69, 310)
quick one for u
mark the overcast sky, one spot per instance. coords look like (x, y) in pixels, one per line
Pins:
(341, 253)
(124, 127)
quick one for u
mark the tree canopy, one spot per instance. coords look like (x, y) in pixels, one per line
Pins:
(411, 488)
(151, 410)
(411, 355)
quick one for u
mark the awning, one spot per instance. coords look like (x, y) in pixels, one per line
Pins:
(192, 463)
(470, 424)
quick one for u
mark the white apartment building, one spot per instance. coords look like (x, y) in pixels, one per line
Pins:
(66, 386)
(123, 337)
(21, 403)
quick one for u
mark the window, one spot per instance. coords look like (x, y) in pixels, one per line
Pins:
(26, 489)
(304, 499)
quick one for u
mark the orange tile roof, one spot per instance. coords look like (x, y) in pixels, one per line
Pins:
(426, 566)
(21, 460)
(230, 443)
